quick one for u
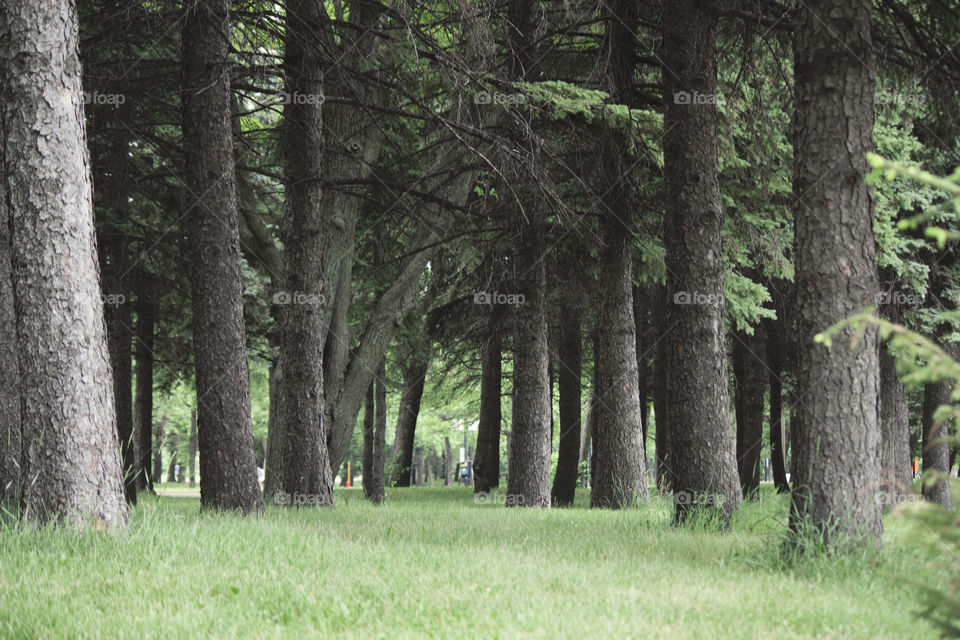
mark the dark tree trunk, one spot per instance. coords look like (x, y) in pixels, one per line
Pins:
(307, 468)
(193, 449)
(380, 435)
(570, 366)
(641, 306)
(273, 473)
(777, 439)
(748, 352)
(116, 295)
(414, 377)
(661, 442)
(10, 429)
(703, 460)
(528, 481)
(157, 475)
(836, 456)
(228, 468)
(895, 476)
(620, 477)
(368, 419)
(936, 447)
(67, 406)
(147, 311)
(486, 465)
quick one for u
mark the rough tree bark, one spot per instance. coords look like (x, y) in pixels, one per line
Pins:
(750, 374)
(936, 447)
(835, 467)
(307, 467)
(703, 462)
(414, 377)
(661, 436)
(486, 464)
(569, 364)
(10, 428)
(620, 477)
(528, 480)
(228, 472)
(70, 457)
(895, 475)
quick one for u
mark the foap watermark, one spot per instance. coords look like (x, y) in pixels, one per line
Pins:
(504, 499)
(104, 99)
(301, 98)
(695, 297)
(297, 499)
(892, 97)
(899, 298)
(695, 97)
(495, 97)
(488, 298)
(697, 498)
(894, 498)
(298, 297)
(113, 299)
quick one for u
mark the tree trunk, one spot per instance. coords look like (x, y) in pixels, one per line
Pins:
(936, 447)
(368, 420)
(447, 463)
(193, 449)
(703, 459)
(570, 365)
(835, 466)
(380, 434)
(10, 428)
(486, 465)
(895, 476)
(529, 460)
(748, 352)
(116, 295)
(777, 439)
(661, 442)
(620, 477)
(228, 468)
(307, 468)
(157, 475)
(70, 451)
(147, 311)
(414, 377)
(273, 473)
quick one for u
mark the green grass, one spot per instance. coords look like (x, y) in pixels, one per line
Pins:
(432, 563)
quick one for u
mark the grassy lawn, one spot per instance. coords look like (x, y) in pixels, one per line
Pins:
(433, 563)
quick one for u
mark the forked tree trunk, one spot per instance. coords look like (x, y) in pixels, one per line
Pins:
(835, 468)
(702, 451)
(228, 469)
(70, 458)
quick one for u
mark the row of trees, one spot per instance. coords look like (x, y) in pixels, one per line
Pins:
(460, 181)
